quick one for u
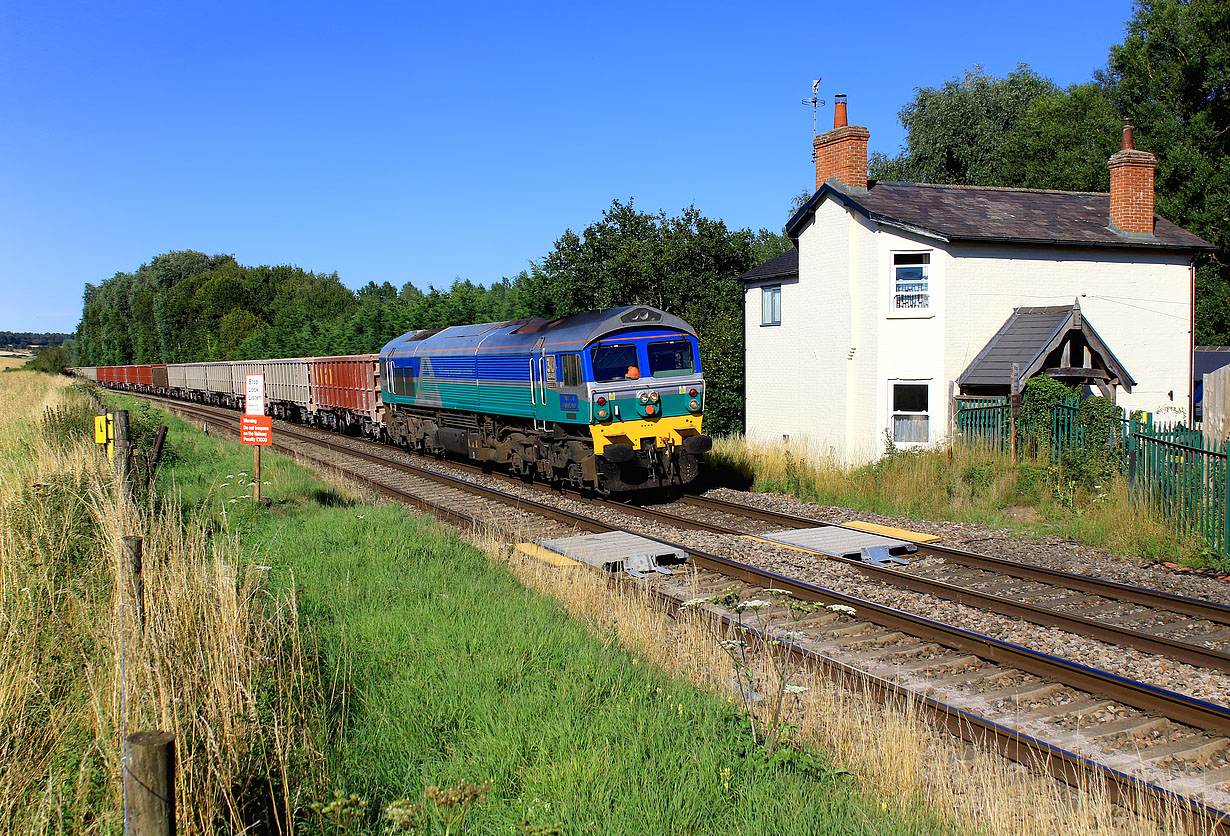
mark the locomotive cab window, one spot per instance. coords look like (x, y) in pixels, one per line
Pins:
(570, 369)
(401, 380)
(672, 358)
(615, 362)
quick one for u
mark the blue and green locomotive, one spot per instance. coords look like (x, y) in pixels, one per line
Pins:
(608, 400)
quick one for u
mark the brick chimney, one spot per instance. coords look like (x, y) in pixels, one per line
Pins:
(841, 154)
(1131, 188)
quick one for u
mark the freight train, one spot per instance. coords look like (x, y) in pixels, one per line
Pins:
(610, 401)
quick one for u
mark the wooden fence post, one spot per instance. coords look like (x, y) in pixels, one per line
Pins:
(149, 783)
(133, 545)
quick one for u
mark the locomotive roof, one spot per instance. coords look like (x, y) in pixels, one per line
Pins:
(579, 329)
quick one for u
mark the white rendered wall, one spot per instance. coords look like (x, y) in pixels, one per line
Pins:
(1138, 302)
(796, 372)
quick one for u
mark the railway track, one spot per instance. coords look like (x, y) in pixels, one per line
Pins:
(1036, 708)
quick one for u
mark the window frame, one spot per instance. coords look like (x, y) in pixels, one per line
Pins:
(770, 299)
(613, 344)
(910, 260)
(570, 372)
(894, 413)
(649, 357)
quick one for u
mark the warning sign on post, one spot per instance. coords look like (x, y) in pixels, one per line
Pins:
(254, 394)
(256, 429)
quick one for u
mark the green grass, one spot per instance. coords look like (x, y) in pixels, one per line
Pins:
(439, 668)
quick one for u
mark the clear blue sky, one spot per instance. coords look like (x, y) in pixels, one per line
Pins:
(415, 142)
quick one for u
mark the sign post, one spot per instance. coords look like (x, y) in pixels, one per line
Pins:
(255, 427)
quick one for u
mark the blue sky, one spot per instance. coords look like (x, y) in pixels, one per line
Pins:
(405, 142)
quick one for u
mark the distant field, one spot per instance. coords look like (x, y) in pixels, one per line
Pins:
(9, 360)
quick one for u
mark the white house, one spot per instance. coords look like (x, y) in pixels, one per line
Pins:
(891, 301)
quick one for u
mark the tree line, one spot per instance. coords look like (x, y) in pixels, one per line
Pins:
(28, 339)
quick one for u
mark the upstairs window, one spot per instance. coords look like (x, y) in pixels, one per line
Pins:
(910, 284)
(771, 305)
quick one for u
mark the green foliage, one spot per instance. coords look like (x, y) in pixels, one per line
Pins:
(956, 133)
(26, 339)
(51, 359)
(1035, 422)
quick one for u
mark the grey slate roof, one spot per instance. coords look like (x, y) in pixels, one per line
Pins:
(784, 266)
(997, 215)
(1029, 335)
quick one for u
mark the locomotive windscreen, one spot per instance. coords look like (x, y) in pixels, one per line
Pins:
(671, 358)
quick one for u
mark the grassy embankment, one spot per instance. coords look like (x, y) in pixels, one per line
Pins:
(967, 485)
(323, 643)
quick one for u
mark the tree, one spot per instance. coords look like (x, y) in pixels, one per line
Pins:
(50, 359)
(956, 134)
(1062, 141)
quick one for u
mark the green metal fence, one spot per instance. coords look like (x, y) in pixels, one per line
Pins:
(1167, 465)
(1175, 470)
(983, 421)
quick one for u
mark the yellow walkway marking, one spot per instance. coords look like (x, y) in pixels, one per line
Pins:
(889, 531)
(537, 552)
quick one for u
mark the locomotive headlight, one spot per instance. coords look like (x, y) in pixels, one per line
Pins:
(649, 410)
(653, 397)
(692, 392)
(693, 404)
(644, 397)
(601, 401)
(602, 414)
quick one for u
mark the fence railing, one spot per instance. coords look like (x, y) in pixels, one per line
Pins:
(1170, 466)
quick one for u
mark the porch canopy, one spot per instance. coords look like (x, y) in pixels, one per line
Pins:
(1056, 341)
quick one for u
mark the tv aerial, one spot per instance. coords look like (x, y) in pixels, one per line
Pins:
(815, 101)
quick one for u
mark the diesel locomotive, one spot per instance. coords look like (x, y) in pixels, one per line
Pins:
(609, 400)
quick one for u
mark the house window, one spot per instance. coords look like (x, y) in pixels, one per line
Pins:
(910, 418)
(771, 305)
(910, 287)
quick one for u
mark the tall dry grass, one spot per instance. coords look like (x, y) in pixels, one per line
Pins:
(219, 661)
(890, 747)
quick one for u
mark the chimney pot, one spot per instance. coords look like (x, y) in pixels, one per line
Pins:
(1127, 139)
(839, 113)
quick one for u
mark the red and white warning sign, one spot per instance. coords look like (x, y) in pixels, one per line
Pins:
(256, 429)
